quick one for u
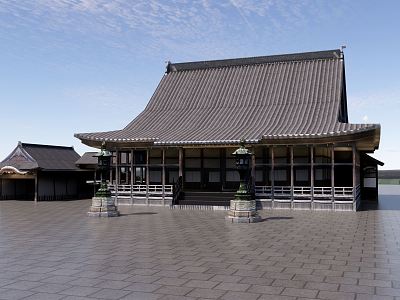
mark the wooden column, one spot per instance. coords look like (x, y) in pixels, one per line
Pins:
(132, 176)
(272, 172)
(333, 174)
(312, 175)
(222, 163)
(291, 175)
(36, 188)
(180, 162)
(163, 176)
(253, 166)
(147, 176)
(202, 169)
(54, 188)
(355, 177)
(116, 176)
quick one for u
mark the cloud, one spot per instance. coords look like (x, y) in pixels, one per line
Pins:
(143, 26)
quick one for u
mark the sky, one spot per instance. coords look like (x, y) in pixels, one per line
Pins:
(69, 66)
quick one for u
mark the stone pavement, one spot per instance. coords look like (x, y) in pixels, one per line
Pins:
(54, 251)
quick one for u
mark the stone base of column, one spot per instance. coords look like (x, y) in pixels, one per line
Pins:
(103, 207)
(243, 211)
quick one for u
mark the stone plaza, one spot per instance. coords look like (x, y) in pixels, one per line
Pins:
(51, 250)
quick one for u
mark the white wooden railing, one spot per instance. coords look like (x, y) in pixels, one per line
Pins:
(306, 191)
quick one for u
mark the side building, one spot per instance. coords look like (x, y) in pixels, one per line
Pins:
(291, 110)
(43, 172)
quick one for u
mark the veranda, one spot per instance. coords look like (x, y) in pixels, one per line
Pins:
(323, 176)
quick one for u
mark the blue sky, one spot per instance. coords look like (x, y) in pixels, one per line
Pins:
(65, 64)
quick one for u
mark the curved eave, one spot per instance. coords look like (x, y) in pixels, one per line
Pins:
(366, 139)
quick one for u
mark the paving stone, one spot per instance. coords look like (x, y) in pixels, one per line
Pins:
(174, 290)
(388, 291)
(23, 285)
(300, 292)
(240, 295)
(289, 283)
(276, 297)
(329, 295)
(45, 296)
(357, 251)
(206, 293)
(142, 287)
(264, 289)
(141, 296)
(80, 291)
(171, 281)
(206, 284)
(357, 289)
(110, 294)
(7, 294)
(51, 288)
(322, 286)
(372, 297)
(237, 287)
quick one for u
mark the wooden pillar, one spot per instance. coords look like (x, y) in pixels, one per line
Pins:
(132, 176)
(116, 176)
(147, 176)
(54, 188)
(354, 177)
(202, 168)
(36, 188)
(272, 172)
(180, 162)
(291, 175)
(163, 176)
(312, 175)
(253, 166)
(333, 174)
(222, 164)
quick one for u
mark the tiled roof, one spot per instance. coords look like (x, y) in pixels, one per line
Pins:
(87, 158)
(47, 157)
(269, 97)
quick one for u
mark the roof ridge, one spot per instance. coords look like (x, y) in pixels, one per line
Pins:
(46, 146)
(254, 60)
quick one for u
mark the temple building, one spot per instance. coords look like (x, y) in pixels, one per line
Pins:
(292, 112)
(42, 173)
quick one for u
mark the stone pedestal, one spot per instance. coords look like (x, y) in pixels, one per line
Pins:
(243, 211)
(103, 207)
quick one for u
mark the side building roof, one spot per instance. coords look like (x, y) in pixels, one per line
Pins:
(46, 157)
(268, 98)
